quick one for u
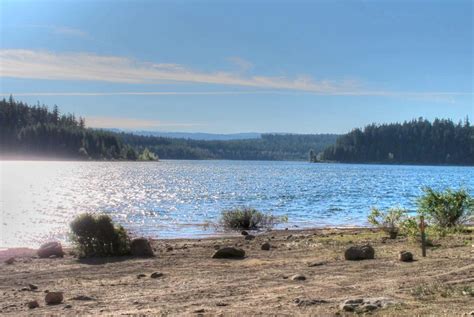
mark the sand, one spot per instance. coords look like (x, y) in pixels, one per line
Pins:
(442, 284)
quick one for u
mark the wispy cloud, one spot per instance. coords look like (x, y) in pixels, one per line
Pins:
(131, 123)
(32, 64)
(243, 64)
(56, 29)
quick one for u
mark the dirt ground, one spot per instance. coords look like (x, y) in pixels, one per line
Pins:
(442, 284)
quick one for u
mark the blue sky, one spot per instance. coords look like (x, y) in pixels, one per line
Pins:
(238, 66)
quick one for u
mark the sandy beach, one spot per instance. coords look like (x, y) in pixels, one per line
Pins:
(193, 283)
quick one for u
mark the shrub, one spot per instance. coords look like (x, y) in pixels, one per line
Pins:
(98, 236)
(389, 220)
(248, 219)
(446, 209)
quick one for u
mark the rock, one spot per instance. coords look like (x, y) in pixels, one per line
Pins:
(244, 233)
(229, 253)
(83, 298)
(32, 304)
(266, 246)
(405, 256)
(32, 287)
(309, 302)
(298, 277)
(356, 253)
(141, 275)
(316, 263)
(249, 237)
(141, 247)
(169, 248)
(51, 248)
(156, 275)
(362, 305)
(53, 298)
(10, 261)
(68, 306)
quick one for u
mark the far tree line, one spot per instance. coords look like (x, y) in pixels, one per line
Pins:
(37, 131)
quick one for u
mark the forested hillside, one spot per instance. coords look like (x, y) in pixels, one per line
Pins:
(414, 142)
(35, 131)
(268, 147)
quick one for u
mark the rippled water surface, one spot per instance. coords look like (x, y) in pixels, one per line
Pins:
(177, 198)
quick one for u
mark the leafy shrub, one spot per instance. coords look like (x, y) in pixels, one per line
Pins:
(147, 155)
(389, 220)
(446, 209)
(248, 219)
(98, 236)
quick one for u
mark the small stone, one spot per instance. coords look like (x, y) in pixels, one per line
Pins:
(23, 289)
(53, 298)
(316, 263)
(229, 253)
(289, 237)
(83, 298)
(10, 261)
(266, 246)
(298, 277)
(156, 275)
(405, 256)
(141, 275)
(68, 306)
(32, 304)
(169, 249)
(202, 310)
(249, 237)
(244, 233)
(32, 287)
(369, 307)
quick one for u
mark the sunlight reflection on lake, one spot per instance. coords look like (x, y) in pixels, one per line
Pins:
(177, 198)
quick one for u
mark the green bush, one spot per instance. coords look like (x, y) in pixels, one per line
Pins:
(389, 220)
(248, 219)
(446, 209)
(98, 236)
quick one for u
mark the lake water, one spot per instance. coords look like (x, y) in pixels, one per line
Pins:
(171, 199)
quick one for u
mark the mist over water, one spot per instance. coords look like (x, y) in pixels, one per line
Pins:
(170, 199)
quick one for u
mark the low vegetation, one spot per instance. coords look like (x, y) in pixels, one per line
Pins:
(389, 220)
(248, 219)
(446, 209)
(96, 235)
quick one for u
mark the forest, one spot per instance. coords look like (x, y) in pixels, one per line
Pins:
(412, 142)
(36, 131)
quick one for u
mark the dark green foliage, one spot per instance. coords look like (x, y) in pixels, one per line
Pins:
(446, 209)
(389, 220)
(415, 142)
(268, 147)
(98, 236)
(248, 219)
(35, 131)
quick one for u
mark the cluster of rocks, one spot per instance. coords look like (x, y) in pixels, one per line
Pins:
(367, 252)
(363, 305)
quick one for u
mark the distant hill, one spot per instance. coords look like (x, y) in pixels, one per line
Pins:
(201, 136)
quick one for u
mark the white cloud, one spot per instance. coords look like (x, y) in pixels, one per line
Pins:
(243, 64)
(67, 31)
(131, 123)
(17, 63)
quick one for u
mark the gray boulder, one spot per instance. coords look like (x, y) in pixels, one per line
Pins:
(50, 249)
(363, 305)
(357, 253)
(141, 247)
(266, 246)
(229, 253)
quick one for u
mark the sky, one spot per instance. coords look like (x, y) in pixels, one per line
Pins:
(241, 66)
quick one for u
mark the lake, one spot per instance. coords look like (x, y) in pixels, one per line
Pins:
(170, 199)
